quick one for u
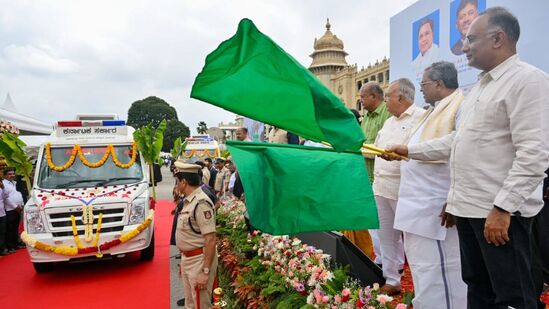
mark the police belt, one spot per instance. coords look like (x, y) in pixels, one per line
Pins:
(193, 252)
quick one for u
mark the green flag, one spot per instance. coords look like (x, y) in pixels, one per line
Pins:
(252, 76)
(292, 189)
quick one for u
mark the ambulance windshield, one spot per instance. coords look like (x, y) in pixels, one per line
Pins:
(79, 175)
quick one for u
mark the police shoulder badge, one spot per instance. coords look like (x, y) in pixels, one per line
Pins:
(208, 214)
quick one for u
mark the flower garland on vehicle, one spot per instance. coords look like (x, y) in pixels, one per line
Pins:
(77, 151)
(97, 233)
(206, 152)
(72, 251)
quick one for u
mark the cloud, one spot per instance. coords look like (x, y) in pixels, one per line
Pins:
(36, 59)
(61, 58)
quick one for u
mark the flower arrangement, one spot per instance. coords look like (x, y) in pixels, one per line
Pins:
(77, 151)
(73, 251)
(6, 126)
(269, 271)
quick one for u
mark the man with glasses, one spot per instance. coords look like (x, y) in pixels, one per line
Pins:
(498, 155)
(430, 239)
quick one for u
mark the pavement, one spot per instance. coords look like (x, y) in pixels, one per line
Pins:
(164, 192)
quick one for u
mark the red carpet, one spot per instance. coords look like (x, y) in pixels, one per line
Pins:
(116, 283)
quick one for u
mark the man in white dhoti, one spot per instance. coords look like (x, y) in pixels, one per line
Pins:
(395, 130)
(432, 247)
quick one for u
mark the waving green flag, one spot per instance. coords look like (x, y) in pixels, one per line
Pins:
(252, 76)
(292, 189)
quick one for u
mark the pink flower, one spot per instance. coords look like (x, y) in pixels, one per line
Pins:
(382, 298)
(401, 306)
(318, 296)
(337, 298)
(345, 294)
(325, 299)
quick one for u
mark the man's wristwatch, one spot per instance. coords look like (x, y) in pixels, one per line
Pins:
(206, 270)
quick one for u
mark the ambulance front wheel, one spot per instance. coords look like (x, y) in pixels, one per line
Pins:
(43, 267)
(147, 254)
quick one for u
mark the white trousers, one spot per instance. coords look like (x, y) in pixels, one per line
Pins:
(390, 241)
(377, 246)
(436, 271)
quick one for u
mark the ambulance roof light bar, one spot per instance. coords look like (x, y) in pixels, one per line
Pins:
(95, 123)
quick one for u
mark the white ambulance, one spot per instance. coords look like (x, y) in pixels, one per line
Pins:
(90, 196)
(200, 147)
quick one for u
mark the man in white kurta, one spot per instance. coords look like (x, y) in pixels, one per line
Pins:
(432, 248)
(395, 130)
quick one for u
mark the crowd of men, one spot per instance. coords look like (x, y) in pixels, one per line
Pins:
(466, 210)
(11, 205)
(462, 210)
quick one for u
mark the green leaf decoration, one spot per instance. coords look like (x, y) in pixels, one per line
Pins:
(12, 149)
(149, 141)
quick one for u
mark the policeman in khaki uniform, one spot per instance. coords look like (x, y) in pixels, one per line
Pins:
(195, 238)
(223, 177)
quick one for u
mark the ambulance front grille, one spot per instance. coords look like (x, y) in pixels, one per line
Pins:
(60, 224)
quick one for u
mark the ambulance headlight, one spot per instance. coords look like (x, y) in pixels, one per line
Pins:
(137, 211)
(34, 220)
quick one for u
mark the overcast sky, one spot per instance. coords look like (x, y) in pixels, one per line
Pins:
(59, 58)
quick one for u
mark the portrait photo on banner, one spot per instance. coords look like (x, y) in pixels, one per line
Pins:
(462, 14)
(425, 41)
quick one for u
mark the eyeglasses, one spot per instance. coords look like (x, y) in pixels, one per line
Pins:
(471, 38)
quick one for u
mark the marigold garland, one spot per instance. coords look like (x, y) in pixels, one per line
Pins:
(124, 165)
(64, 166)
(70, 251)
(96, 164)
(75, 233)
(201, 154)
(77, 150)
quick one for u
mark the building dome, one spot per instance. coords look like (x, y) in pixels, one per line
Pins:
(328, 55)
(328, 40)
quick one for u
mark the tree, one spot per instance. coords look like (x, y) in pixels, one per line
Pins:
(149, 140)
(151, 110)
(202, 128)
(174, 130)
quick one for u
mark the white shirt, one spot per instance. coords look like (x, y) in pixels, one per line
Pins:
(423, 191)
(2, 207)
(394, 131)
(500, 149)
(12, 197)
(423, 61)
(232, 180)
(314, 144)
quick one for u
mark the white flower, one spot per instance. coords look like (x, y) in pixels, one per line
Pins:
(382, 298)
(310, 299)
